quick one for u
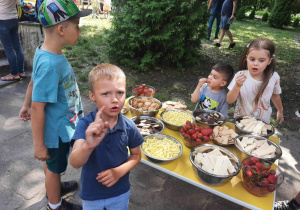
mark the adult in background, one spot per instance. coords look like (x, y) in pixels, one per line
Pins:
(227, 17)
(215, 13)
(9, 38)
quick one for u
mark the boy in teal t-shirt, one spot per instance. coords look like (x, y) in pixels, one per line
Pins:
(52, 99)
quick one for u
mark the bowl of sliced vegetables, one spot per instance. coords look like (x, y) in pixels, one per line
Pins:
(159, 148)
(174, 119)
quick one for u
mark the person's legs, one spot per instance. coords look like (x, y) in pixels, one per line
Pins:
(17, 47)
(221, 36)
(229, 35)
(52, 183)
(218, 17)
(210, 24)
(7, 43)
(120, 202)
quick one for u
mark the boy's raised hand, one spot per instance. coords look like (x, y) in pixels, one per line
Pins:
(202, 81)
(96, 130)
(240, 79)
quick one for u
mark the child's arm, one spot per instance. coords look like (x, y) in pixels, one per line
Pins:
(95, 133)
(233, 94)
(195, 94)
(278, 104)
(209, 4)
(111, 176)
(25, 111)
(38, 124)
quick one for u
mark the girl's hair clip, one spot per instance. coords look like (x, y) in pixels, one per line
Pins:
(248, 45)
(273, 55)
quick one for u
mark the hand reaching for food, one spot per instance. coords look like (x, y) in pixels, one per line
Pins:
(240, 79)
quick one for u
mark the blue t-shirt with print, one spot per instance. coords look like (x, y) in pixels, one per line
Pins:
(54, 83)
(214, 101)
(216, 7)
(110, 153)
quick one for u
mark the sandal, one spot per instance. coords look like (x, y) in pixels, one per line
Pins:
(22, 75)
(10, 77)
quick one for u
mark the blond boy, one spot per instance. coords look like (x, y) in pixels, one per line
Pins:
(101, 140)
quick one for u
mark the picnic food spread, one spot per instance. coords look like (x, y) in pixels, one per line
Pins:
(195, 134)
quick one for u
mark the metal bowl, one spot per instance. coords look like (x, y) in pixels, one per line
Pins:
(205, 112)
(209, 178)
(231, 126)
(152, 120)
(161, 137)
(173, 126)
(239, 130)
(242, 154)
(139, 112)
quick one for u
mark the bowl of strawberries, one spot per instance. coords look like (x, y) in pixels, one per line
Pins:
(143, 90)
(261, 177)
(194, 135)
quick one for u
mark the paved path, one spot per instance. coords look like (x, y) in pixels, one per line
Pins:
(22, 179)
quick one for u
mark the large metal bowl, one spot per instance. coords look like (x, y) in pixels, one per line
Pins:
(205, 112)
(152, 120)
(161, 137)
(239, 130)
(173, 126)
(209, 178)
(242, 154)
(139, 112)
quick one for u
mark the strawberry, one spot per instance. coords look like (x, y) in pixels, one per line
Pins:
(246, 163)
(144, 85)
(191, 131)
(135, 90)
(259, 166)
(206, 128)
(271, 188)
(193, 125)
(206, 139)
(254, 160)
(188, 122)
(146, 91)
(211, 137)
(199, 135)
(266, 173)
(194, 136)
(273, 172)
(199, 140)
(185, 127)
(182, 131)
(141, 91)
(267, 166)
(188, 127)
(151, 90)
(205, 132)
(273, 179)
(249, 172)
(265, 183)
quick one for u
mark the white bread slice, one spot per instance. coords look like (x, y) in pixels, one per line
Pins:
(240, 144)
(271, 149)
(206, 166)
(262, 147)
(219, 164)
(250, 148)
(215, 152)
(249, 126)
(205, 156)
(244, 141)
(257, 129)
(230, 167)
(259, 142)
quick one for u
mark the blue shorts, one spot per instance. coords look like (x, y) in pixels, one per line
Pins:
(119, 202)
(224, 23)
(58, 158)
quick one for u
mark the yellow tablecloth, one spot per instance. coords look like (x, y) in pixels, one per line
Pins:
(233, 190)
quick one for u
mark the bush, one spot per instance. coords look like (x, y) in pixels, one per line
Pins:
(149, 34)
(281, 13)
(265, 17)
(296, 23)
(252, 14)
(241, 13)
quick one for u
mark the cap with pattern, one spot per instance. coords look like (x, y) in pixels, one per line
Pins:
(52, 12)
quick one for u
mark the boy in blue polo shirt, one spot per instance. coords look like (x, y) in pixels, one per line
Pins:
(53, 97)
(215, 13)
(101, 140)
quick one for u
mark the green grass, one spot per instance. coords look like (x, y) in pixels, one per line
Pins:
(89, 51)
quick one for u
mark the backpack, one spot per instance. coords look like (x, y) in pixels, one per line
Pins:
(26, 11)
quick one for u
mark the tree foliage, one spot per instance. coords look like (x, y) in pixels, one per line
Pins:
(265, 17)
(241, 13)
(150, 33)
(281, 13)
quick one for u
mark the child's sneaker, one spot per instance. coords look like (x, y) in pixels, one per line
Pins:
(231, 45)
(217, 44)
(65, 205)
(297, 114)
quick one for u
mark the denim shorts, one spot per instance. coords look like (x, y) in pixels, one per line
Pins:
(58, 157)
(224, 23)
(119, 202)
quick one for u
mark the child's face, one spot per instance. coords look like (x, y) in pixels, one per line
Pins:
(111, 94)
(215, 80)
(72, 31)
(257, 61)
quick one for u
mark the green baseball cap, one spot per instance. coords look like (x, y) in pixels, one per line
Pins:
(52, 12)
